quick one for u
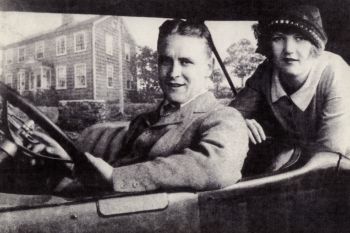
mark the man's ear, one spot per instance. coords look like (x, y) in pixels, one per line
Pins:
(211, 64)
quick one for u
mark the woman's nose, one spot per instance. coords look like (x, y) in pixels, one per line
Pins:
(289, 45)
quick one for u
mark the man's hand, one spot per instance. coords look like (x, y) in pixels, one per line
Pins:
(103, 169)
(49, 145)
(256, 132)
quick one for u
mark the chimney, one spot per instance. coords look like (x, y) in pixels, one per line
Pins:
(67, 19)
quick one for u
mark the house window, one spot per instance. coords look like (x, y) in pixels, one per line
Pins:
(8, 79)
(61, 77)
(109, 44)
(127, 51)
(21, 81)
(39, 49)
(21, 54)
(9, 56)
(38, 81)
(79, 41)
(31, 81)
(61, 44)
(80, 75)
(47, 73)
(128, 84)
(110, 75)
(45, 78)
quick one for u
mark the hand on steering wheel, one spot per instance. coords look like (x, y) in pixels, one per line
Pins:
(103, 174)
(49, 145)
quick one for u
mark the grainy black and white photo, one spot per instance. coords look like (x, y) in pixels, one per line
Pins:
(175, 116)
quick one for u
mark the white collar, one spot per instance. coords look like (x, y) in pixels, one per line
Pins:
(303, 96)
(166, 101)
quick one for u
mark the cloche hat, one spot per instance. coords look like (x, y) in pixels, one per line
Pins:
(304, 18)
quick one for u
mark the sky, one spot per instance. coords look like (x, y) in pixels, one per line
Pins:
(15, 26)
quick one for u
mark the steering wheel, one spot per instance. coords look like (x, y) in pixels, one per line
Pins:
(10, 96)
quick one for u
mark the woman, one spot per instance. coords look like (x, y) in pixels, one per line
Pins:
(299, 96)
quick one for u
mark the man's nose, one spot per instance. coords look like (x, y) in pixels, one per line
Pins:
(289, 45)
(175, 70)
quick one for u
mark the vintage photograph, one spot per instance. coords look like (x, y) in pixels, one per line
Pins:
(175, 116)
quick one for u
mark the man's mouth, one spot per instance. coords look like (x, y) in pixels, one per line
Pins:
(175, 85)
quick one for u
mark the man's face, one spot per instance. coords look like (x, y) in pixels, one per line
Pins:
(184, 67)
(291, 53)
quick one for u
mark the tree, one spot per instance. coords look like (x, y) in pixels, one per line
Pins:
(147, 73)
(242, 60)
(217, 78)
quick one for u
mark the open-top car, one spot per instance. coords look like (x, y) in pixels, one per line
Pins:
(310, 195)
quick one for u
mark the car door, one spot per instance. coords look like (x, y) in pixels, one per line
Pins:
(311, 198)
(157, 212)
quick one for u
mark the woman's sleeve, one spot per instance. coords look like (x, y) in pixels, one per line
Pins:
(334, 128)
(249, 99)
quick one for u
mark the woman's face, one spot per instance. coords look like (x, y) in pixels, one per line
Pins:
(292, 53)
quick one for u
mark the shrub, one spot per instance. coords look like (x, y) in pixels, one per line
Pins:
(44, 97)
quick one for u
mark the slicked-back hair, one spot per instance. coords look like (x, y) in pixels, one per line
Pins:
(181, 27)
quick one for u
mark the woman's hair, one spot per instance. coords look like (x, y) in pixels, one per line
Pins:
(185, 28)
(264, 34)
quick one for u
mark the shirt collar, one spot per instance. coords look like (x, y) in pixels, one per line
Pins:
(303, 96)
(166, 102)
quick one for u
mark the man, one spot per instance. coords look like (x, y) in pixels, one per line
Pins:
(298, 99)
(190, 141)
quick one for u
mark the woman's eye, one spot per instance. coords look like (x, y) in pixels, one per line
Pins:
(299, 38)
(277, 38)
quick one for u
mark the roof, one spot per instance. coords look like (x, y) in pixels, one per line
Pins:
(53, 31)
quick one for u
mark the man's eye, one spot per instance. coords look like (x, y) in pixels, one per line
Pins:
(185, 62)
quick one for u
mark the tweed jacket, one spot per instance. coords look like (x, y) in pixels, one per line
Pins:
(201, 146)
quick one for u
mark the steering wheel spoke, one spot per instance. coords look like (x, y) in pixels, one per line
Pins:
(21, 118)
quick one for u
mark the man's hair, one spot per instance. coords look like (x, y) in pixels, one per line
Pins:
(185, 28)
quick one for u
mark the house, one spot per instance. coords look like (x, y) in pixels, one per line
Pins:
(88, 60)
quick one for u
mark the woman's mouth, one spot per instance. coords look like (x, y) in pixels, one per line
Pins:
(290, 60)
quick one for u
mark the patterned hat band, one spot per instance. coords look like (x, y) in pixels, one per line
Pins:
(306, 29)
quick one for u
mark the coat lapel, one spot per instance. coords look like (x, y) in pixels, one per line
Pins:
(201, 104)
(170, 119)
(174, 124)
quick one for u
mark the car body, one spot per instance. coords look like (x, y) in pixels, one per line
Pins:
(311, 197)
